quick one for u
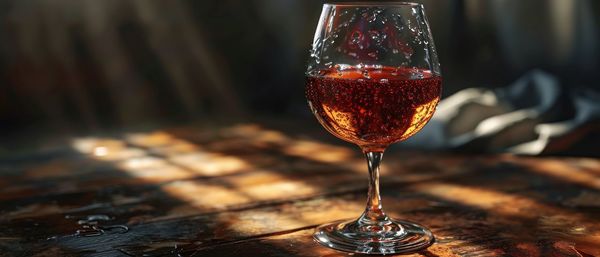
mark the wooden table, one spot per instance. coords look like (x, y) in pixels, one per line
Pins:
(252, 189)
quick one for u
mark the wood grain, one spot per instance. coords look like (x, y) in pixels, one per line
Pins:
(253, 190)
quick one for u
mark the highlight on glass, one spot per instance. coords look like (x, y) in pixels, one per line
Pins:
(373, 79)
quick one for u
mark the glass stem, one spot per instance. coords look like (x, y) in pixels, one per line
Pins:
(374, 212)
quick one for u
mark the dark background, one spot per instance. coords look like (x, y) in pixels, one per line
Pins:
(89, 65)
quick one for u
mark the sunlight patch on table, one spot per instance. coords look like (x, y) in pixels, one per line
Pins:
(490, 200)
(563, 171)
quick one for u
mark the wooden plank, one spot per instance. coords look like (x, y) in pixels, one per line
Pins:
(300, 244)
(29, 221)
(290, 178)
(132, 206)
(476, 205)
(136, 204)
(162, 156)
(498, 224)
(209, 228)
(297, 244)
(491, 225)
(300, 180)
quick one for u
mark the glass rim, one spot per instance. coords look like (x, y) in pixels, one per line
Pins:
(375, 3)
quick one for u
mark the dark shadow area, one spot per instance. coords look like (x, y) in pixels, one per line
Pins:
(87, 66)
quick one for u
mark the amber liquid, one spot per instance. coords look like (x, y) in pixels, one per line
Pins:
(376, 108)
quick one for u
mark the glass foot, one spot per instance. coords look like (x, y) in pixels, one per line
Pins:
(389, 237)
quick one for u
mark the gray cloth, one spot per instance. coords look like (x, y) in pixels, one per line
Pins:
(535, 115)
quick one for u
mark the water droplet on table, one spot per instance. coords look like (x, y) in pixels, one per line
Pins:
(91, 226)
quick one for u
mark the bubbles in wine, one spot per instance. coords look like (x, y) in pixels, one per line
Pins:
(373, 107)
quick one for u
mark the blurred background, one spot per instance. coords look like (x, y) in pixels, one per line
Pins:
(85, 66)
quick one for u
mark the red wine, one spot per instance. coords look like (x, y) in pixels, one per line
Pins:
(373, 107)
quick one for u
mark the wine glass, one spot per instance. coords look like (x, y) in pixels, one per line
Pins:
(373, 79)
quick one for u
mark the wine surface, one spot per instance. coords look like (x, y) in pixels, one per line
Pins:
(373, 107)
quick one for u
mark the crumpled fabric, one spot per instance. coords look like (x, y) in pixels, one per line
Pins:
(535, 115)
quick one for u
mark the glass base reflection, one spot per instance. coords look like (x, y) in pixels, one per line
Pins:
(389, 237)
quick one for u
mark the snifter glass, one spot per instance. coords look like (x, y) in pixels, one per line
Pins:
(373, 79)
